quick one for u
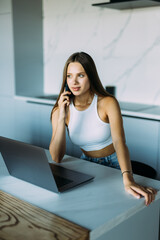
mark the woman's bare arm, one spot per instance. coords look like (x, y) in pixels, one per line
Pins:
(57, 146)
(114, 115)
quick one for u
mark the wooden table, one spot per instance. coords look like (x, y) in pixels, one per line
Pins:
(22, 221)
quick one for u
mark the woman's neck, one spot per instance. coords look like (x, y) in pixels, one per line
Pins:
(83, 100)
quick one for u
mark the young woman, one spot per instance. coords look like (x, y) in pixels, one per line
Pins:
(94, 122)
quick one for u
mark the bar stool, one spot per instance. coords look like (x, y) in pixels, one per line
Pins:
(143, 169)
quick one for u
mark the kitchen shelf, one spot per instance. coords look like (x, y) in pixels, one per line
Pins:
(124, 5)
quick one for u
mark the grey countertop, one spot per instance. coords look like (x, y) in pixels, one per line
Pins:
(127, 108)
(48, 99)
(140, 110)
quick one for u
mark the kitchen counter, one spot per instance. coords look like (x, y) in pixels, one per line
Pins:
(44, 100)
(138, 110)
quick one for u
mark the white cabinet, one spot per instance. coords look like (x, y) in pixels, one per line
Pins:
(32, 123)
(142, 136)
(158, 165)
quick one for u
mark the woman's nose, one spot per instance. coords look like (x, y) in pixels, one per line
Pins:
(75, 80)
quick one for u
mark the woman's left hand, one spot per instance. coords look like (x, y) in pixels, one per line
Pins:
(139, 191)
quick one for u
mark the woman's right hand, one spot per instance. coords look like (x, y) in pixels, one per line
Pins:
(63, 104)
(57, 146)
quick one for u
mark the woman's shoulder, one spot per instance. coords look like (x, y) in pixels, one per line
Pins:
(107, 100)
(108, 103)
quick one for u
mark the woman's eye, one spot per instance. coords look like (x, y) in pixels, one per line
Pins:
(68, 76)
(81, 75)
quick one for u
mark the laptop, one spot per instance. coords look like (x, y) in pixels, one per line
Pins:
(30, 163)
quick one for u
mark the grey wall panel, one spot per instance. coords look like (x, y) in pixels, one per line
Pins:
(5, 6)
(28, 46)
(6, 55)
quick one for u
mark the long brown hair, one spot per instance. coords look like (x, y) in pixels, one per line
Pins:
(90, 68)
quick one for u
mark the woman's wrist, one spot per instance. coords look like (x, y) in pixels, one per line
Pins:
(127, 172)
(127, 176)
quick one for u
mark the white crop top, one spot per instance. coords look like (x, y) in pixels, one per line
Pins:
(87, 130)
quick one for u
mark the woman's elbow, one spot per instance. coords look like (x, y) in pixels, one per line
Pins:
(55, 157)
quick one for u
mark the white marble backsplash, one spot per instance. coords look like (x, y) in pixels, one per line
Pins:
(125, 46)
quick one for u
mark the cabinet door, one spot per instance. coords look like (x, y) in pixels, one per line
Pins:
(142, 140)
(158, 165)
(26, 122)
(45, 126)
(32, 123)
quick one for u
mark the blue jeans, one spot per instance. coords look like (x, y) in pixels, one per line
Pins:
(109, 161)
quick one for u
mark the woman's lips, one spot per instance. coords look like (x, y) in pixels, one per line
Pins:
(75, 88)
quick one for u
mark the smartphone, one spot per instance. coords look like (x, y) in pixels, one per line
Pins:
(66, 87)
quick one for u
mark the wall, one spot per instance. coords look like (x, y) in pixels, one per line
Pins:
(124, 44)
